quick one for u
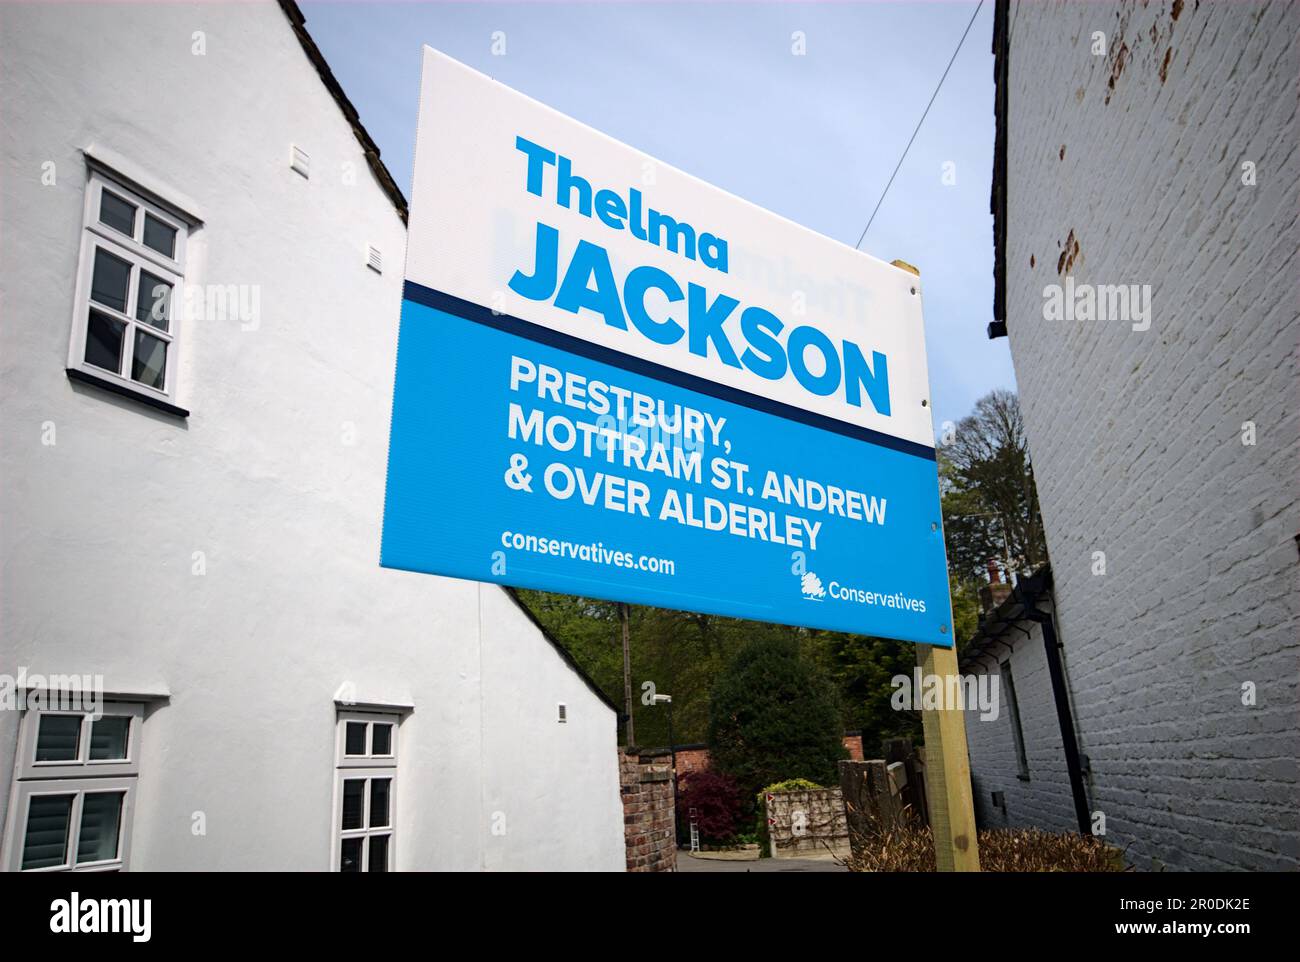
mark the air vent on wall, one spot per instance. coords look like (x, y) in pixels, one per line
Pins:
(299, 160)
(562, 714)
(375, 260)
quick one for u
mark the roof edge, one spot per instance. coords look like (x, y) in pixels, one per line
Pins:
(998, 191)
(1028, 592)
(298, 23)
(578, 670)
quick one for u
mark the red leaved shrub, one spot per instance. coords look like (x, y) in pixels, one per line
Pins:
(716, 800)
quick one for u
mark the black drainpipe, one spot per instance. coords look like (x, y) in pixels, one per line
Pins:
(1057, 672)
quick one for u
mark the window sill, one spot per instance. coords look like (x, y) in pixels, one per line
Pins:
(84, 377)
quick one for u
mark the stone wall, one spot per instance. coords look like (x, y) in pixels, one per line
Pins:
(802, 824)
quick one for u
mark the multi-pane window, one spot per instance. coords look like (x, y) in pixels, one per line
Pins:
(365, 792)
(131, 282)
(75, 784)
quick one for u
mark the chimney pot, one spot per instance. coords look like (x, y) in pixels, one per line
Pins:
(995, 592)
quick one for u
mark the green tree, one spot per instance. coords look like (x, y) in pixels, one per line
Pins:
(589, 630)
(774, 715)
(965, 609)
(990, 510)
(862, 668)
(990, 503)
(679, 653)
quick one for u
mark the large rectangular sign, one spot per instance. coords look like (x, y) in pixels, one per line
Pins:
(615, 380)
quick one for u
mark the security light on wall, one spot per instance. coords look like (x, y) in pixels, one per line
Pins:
(663, 699)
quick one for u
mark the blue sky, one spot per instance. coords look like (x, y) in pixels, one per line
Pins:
(715, 90)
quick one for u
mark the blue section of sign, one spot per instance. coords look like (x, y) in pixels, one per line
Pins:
(638, 488)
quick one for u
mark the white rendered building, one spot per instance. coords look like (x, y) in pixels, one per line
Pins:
(201, 276)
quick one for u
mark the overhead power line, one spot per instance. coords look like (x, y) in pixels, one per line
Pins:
(919, 123)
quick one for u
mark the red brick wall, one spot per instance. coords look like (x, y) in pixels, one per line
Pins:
(649, 819)
(854, 745)
(691, 760)
(697, 759)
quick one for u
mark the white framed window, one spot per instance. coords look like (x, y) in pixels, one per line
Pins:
(365, 792)
(130, 280)
(74, 824)
(74, 790)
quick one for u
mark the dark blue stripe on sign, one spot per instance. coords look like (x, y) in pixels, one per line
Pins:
(596, 352)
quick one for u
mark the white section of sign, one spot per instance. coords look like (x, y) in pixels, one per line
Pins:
(474, 223)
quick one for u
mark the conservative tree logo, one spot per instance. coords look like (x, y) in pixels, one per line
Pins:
(812, 587)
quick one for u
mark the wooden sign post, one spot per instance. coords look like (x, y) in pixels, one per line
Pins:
(947, 764)
(947, 770)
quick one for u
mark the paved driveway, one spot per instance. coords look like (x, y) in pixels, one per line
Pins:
(687, 864)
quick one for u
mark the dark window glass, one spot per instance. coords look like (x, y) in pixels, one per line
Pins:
(355, 740)
(379, 802)
(101, 823)
(117, 213)
(354, 795)
(109, 282)
(378, 861)
(149, 362)
(58, 738)
(161, 237)
(153, 302)
(1017, 733)
(381, 740)
(351, 855)
(45, 842)
(108, 738)
(104, 342)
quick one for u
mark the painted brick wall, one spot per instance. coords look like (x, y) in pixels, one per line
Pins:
(1043, 799)
(1136, 435)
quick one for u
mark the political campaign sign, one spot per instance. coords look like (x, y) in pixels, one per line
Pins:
(618, 381)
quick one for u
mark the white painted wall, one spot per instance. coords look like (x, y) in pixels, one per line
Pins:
(1044, 799)
(1137, 435)
(99, 530)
